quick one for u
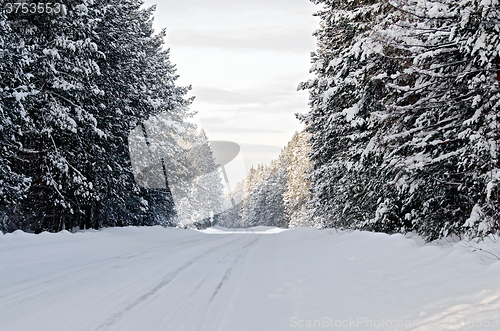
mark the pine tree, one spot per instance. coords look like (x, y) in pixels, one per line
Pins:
(249, 205)
(78, 84)
(443, 114)
(346, 99)
(56, 55)
(404, 116)
(208, 188)
(14, 83)
(138, 81)
(203, 198)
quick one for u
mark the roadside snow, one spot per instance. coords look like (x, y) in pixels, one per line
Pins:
(255, 279)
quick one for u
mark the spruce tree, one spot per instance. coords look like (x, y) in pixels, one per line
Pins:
(13, 88)
(443, 114)
(346, 101)
(58, 57)
(138, 81)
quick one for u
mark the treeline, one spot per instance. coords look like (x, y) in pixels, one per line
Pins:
(73, 86)
(274, 195)
(404, 120)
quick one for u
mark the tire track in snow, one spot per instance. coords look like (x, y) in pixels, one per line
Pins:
(195, 297)
(48, 286)
(168, 278)
(230, 269)
(220, 315)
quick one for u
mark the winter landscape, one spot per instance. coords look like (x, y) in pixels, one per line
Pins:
(375, 206)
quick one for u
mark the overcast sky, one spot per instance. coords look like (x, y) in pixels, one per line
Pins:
(244, 60)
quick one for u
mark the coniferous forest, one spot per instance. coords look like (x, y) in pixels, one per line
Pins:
(403, 125)
(74, 85)
(402, 134)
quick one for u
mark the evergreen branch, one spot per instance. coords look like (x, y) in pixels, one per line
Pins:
(447, 183)
(54, 184)
(405, 11)
(22, 149)
(415, 14)
(64, 98)
(422, 29)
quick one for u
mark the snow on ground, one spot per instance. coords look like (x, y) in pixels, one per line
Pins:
(256, 279)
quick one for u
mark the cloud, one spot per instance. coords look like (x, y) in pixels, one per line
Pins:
(212, 94)
(260, 99)
(259, 148)
(244, 60)
(213, 120)
(188, 7)
(274, 39)
(254, 154)
(239, 130)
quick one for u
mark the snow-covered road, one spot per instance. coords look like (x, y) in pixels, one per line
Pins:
(261, 279)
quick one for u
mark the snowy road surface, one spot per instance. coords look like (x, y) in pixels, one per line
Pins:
(264, 279)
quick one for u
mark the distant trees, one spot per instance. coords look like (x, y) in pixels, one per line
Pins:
(264, 203)
(73, 87)
(298, 187)
(403, 118)
(203, 199)
(274, 195)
